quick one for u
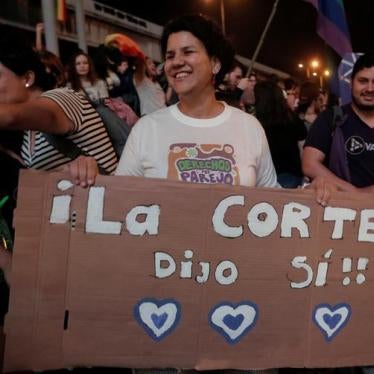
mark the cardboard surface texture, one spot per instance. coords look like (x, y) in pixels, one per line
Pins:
(147, 273)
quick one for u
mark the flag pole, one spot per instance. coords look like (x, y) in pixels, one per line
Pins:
(261, 41)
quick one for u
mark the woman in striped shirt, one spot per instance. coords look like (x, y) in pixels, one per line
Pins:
(28, 104)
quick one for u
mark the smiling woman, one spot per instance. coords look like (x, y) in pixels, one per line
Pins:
(199, 130)
(199, 139)
(188, 67)
(197, 57)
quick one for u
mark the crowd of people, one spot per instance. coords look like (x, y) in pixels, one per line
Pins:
(261, 125)
(132, 88)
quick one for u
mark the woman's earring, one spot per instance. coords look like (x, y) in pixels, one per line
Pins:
(216, 68)
(27, 85)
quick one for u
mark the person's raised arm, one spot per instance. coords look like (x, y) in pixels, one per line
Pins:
(39, 114)
(45, 115)
(39, 36)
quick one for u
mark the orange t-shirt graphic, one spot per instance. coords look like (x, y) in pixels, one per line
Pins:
(203, 163)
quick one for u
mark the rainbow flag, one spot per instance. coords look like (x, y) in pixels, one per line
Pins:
(332, 24)
(61, 11)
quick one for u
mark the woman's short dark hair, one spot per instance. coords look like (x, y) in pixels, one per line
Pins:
(364, 61)
(19, 57)
(209, 34)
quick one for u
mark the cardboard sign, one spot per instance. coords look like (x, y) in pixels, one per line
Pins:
(149, 273)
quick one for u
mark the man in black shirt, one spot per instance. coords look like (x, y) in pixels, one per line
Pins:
(357, 130)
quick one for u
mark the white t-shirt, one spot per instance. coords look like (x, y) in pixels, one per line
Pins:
(97, 91)
(229, 149)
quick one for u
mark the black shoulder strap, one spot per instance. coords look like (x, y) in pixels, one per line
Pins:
(338, 161)
(64, 145)
(68, 148)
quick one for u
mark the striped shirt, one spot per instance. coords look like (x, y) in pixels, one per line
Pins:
(89, 133)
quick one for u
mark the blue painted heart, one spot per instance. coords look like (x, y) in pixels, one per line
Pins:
(331, 319)
(157, 317)
(159, 320)
(233, 321)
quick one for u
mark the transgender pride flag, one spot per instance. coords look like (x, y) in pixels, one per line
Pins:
(332, 24)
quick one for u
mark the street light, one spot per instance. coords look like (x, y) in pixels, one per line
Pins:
(314, 64)
(325, 74)
(313, 68)
(307, 71)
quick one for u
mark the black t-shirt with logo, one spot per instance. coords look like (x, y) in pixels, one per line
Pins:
(359, 144)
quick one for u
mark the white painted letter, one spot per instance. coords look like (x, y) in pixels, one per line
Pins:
(205, 270)
(299, 263)
(219, 225)
(162, 272)
(366, 225)
(221, 268)
(95, 211)
(61, 204)
(266, 226)
(64, 185)
(323, 267)
(150, 224)
(186, 266)
(60, 209)
(339, 215)
(294, 216)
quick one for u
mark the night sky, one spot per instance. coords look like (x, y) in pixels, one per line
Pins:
(291, 38)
